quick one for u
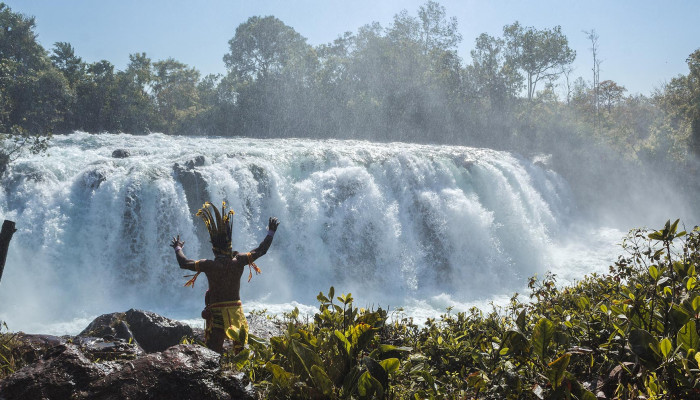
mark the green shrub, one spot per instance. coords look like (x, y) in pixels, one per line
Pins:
(632, 333)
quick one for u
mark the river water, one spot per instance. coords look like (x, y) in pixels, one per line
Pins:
(398, 225)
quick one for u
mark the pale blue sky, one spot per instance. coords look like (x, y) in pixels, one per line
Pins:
(642, 43)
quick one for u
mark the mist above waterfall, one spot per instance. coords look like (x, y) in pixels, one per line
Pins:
(395, 224)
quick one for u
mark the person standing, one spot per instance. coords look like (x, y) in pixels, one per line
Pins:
(223, 301)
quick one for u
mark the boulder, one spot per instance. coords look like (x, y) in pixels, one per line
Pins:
(198, 161)
(30, 348)
(61, 374)
(152, 332)
(180, 372)
(196, 193)
(120, 153)
(104, 326)
(93, 179)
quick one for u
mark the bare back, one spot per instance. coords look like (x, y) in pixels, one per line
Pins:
(224, 276)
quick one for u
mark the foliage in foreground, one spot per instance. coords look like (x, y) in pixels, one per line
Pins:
(630, 334)
(9, 363)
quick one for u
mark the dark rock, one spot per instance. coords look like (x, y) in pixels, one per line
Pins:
(154, 332)
(180, 372)
(94, 178)
(198, 161)
(105, 349)
(149, 330)
(196, 193)
(123, 331)
(61, 374)
(263, 327)
(104, 326)
(120, 153)
(30, 348)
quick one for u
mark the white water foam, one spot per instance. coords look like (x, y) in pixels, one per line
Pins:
(400, 225)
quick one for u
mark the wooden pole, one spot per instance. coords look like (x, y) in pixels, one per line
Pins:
(8, 229)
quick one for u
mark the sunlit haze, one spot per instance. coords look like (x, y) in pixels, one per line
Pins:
(643, 44)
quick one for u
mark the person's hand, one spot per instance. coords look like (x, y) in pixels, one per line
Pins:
(272, 225)
(176, 242)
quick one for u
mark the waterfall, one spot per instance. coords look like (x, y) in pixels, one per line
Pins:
(391, 223)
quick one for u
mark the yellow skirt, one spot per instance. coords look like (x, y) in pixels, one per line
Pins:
(224, 315)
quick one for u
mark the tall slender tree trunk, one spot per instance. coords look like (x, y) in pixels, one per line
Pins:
(8, 229)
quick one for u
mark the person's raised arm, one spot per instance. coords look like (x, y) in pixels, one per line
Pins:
(182, 260)
(265, 244)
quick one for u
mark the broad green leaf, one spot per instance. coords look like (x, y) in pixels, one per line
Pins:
(696, 304)
(541, 336)
(306, 356)
(556, 370)
(644, 345)
(243, 334)
(279, 375)
(692, 282)
(367, 386)
(331, 292)
(440, 340)
(252, 339)
(351, 380)
(678, 317)
(588, 396)
(516, 342)
(697, 358)
(378, 372)
(665, 347)
(321, 298)
(656, 236)
(688, 336)
(343, 340)
(477, 380)
(604, 308)
(654, 272)
(520, 321)
(385, 351)
(672, 231)
(390, 365)
(323, 382)
(240, 359)
(583, 303)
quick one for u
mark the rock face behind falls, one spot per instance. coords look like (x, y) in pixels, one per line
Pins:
(130, 355)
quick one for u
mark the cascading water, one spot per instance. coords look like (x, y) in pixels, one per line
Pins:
(395, 224)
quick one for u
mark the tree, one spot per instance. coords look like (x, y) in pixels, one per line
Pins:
(28, 110)
(95, 98)
(67, 62)
(263, 45)
(611, 93)
(436, 31)
(593, 37)
(176, 95)
(541, 54)
(133, 102)
(490, 76)
(681, 102)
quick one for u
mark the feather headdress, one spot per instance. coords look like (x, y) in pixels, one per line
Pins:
(219, 225)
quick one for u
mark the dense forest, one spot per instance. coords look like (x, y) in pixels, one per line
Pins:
(404, 82)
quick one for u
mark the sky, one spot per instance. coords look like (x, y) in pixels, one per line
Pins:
(643, 43)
